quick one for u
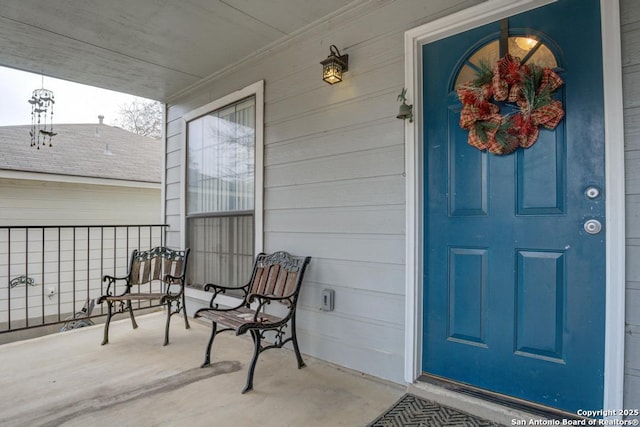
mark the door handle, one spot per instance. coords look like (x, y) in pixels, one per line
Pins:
(593, 226)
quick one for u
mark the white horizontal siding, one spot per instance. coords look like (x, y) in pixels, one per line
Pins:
(379, 105)
(173, 159)
(357, 304)
(357, 275)
(54, 203)
(366, 248)
(354, 192)
(379, 133)
(630, 33)
(382, 219)
(632, 86)
(357, 165)
(309, 101)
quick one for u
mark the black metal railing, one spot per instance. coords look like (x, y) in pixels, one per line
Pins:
(48, 274)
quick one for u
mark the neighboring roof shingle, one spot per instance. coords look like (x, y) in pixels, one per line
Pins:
(81, 150)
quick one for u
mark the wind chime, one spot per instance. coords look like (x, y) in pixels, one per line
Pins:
(41, 101)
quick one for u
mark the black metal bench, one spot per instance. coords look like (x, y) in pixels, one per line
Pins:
(161, 271)
(275, 277)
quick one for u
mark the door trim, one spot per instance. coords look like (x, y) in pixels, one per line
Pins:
(484, 13)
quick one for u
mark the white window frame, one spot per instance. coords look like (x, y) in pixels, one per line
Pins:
(256, 90)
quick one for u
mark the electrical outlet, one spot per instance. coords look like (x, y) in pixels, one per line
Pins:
(328, 297)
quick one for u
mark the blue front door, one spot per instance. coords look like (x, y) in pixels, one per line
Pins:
(514, 285)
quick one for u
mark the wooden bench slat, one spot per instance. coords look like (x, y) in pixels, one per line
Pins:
(278, 290)
(263, 281)
(146, 272)
(290, 283)
(274, 272)
(135, 273)
(177, 266)
(138, 296)
(157, 268)
(257, 280)
(234, 319)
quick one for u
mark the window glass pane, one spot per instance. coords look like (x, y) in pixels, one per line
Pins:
(466, 75)
(220, 150)
(487, 54)
(221, 250)
(544, 57)
(518, 47)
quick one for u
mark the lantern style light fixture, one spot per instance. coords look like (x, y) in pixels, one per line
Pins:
(334, 66)
(41, 132)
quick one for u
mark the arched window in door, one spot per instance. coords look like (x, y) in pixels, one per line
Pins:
(529, 49)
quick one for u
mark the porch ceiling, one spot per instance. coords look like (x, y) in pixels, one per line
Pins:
(149, 48)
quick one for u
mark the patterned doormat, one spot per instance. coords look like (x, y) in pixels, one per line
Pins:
(413, 411)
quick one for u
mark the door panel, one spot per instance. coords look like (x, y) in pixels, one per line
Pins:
(514, 287)
(538, 336)
(468, 173)
(467, 288)
(541, 176)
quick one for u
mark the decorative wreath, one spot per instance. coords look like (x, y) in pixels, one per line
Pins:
(529, 88)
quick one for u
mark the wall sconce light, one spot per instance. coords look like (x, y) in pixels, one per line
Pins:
(334, 66)
(406, 111)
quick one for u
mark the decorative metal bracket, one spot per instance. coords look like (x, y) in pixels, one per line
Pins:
(21, 280)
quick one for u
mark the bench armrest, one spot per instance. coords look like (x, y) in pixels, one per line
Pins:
(111, 281)
(266, 299)
(113, 278)
(220, 289)
(170, 280)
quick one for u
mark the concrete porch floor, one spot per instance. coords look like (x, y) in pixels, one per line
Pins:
(69, 379)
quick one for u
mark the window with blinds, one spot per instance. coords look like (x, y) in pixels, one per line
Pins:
(220, 196)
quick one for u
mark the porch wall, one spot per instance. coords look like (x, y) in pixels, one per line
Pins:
(630, 33)
(334, 175)
(334, 184)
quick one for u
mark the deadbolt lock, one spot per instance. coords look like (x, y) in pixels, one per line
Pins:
(592, 192)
